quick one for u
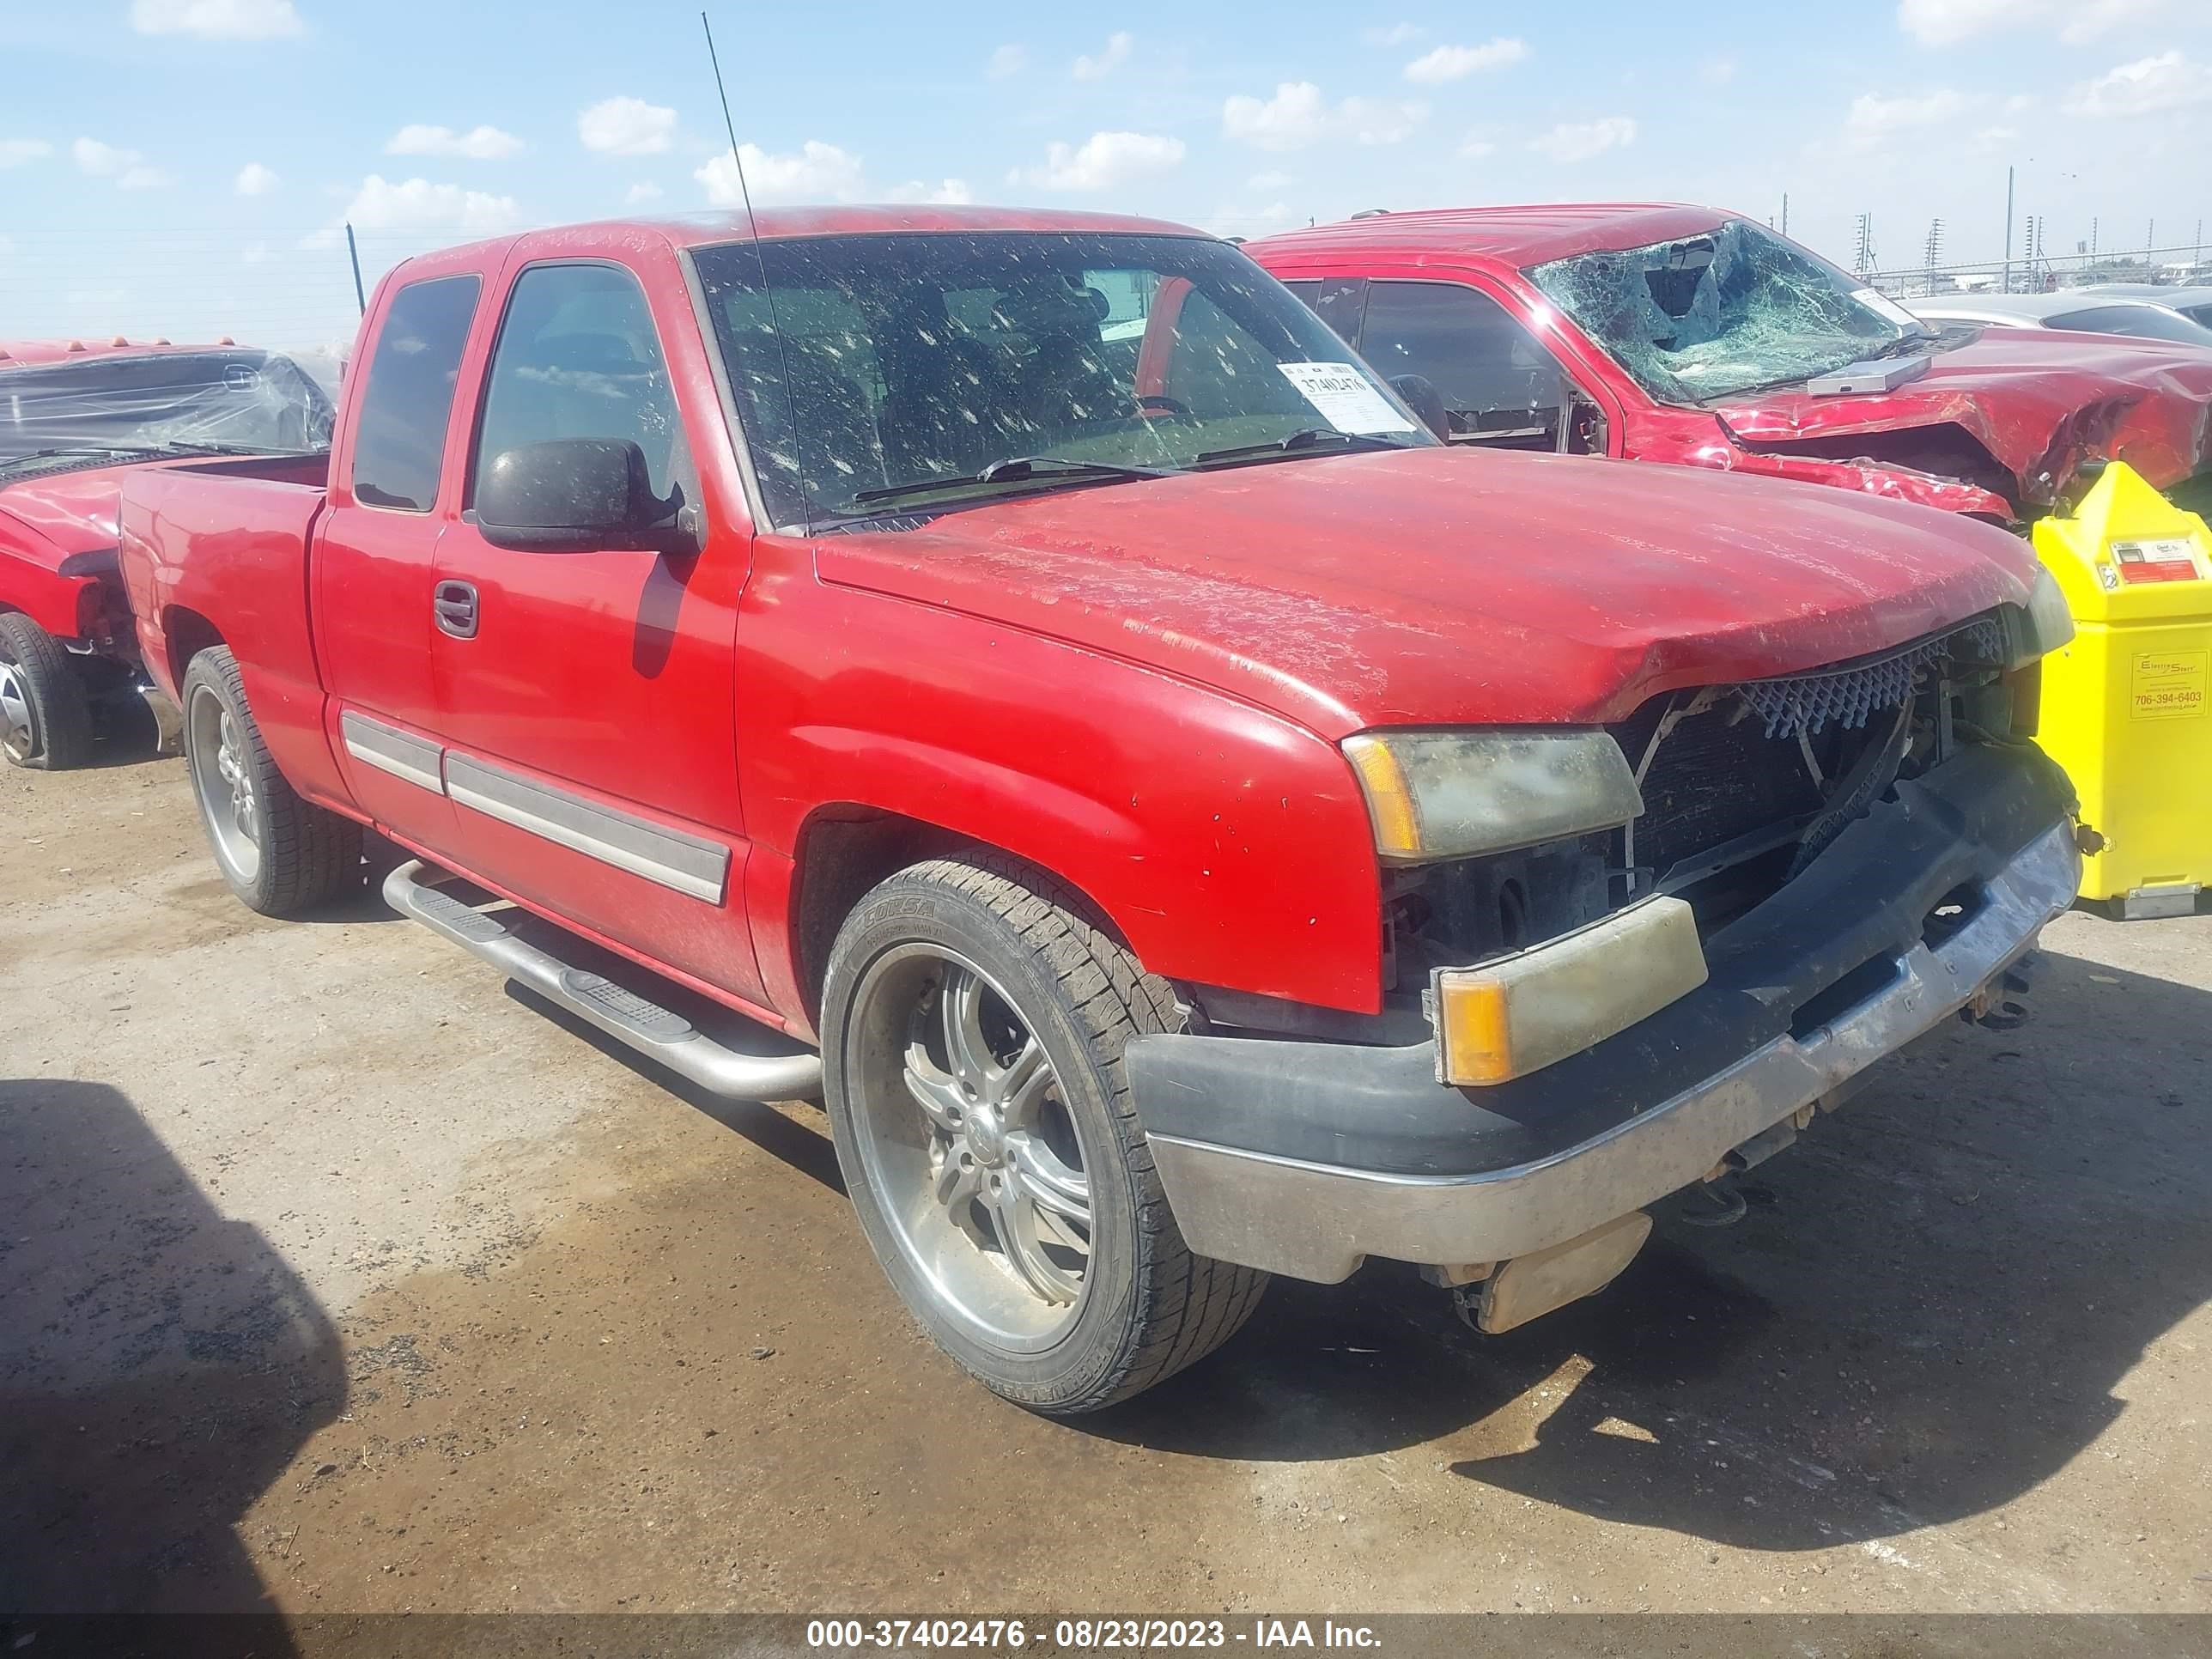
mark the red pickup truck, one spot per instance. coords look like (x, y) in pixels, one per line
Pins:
(73, 415)
(1018, 675)
(1685, 335)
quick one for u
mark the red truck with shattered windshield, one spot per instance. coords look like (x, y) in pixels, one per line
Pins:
(73, 415)
(1686, 335)
(1019, 678)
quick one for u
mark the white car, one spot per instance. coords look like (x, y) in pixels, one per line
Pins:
(2076, 310)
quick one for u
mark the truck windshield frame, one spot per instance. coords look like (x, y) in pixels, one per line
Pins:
(923, 356)
(1736, 309)
(230, 400)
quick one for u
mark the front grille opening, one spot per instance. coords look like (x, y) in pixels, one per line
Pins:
(1869, 978)
(1951, 913)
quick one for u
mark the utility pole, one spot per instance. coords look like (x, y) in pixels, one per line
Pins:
(1785, 212)
(1865, 264)
(1934, 250)
(2007, 260)
(2093, 239)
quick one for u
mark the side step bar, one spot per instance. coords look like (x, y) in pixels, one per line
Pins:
(658, 1033)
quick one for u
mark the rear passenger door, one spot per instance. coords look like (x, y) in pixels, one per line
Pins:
(588, 699)
(376, 552)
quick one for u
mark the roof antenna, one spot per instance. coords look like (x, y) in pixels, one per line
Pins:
(768, 289)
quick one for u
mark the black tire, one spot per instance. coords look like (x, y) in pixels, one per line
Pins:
(44, 686)
(1149, 1306)
(303, 854)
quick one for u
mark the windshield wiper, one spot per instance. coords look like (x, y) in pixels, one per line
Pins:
(1016, 469)
(104, 450)
(1309, 437)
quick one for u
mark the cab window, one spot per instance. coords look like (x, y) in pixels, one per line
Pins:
(1499, 384)
(578, 357)
(407, 403)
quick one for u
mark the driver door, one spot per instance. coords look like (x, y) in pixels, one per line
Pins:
(588, 698)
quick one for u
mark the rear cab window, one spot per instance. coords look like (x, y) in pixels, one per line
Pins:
(1499, 384)
(407, 401)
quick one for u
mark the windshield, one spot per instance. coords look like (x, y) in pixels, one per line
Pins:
(926, 371)
(1710, 316)
(2143, 322)
(230, 400)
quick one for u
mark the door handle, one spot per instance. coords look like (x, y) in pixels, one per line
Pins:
(455, 605)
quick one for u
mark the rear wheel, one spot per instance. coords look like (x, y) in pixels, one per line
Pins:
(972, 1035)
(280, 854)
(45, 718)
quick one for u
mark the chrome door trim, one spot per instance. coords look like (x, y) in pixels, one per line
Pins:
(683, 863)
(388, 749)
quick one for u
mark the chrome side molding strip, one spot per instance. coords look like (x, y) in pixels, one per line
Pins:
(686, 863)
(388, 749)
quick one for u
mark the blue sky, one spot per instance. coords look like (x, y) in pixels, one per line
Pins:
(179, 165)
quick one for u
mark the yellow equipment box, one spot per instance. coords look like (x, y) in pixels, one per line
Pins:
(2125, 705)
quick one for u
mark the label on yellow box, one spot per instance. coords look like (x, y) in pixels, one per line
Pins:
(2168, 684)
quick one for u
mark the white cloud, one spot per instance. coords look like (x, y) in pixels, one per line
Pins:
(1116, 53)
(626, 126)
(217, 20)
(126, 166)
(945, 192)
(1298, 116)
(1578, 141)
(2149, 85)
(1102, 161)
(1474, 147)
(818, 173)
(1393, 34)
(14, 152)
(1007, 62)
(1874, 118)
(254, 180)
(1947, 22)
(480, 144)
(1717, 71)
(1435, 68)
(1273, 179)
(254, 254)
(418, 204)
(638, 194)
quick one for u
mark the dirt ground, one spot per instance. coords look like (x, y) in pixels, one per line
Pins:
(334, 1277)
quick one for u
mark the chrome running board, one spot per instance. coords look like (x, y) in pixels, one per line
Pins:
(658, 1033)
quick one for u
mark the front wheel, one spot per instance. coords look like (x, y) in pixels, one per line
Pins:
(972, 1035)
(282, 855)
(45, 718)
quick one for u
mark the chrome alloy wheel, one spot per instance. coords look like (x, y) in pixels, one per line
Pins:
(223, 783)
(18, 727)
(969, 1145)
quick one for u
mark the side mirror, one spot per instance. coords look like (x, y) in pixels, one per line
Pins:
(1422, 397)
(570, 495)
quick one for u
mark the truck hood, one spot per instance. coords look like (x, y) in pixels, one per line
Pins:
(2040, 402)
(51, 519)
(1439, 587)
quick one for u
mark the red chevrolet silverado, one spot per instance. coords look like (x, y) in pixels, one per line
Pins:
(73, 415)
(1685, 335)
(1018, 677)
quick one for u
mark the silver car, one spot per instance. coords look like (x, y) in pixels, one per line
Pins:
(2194, 303)
(2077, 310)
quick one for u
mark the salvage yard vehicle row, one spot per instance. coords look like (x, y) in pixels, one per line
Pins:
(1188, 823)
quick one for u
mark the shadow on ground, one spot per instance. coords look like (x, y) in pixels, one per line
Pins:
(159, 1366)
(1925, 1314)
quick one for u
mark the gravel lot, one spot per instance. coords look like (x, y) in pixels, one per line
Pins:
(334, 1277)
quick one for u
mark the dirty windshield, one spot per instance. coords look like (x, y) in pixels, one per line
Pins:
(920, 371)
(235, 400)
(1713, 315)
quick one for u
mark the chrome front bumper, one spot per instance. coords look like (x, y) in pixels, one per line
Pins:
(1318, 1221)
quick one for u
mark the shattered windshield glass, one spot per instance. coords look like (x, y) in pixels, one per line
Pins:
(235, 399)
(914, 372)
(1713, 315)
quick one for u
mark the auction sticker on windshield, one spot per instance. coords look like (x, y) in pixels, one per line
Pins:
(1345, 397)
(1887, 309)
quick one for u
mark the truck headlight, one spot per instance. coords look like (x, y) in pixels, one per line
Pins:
(2036, 629)
(1454, 795)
